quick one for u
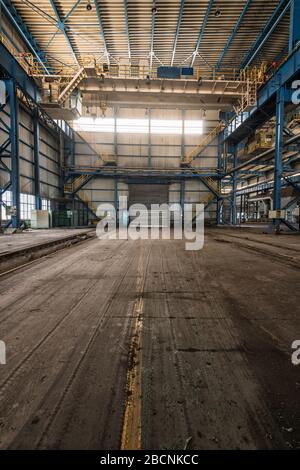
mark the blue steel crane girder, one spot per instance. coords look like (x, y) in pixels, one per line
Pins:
(202, 31)
(61, 26)
(26, 35)
(233, 33)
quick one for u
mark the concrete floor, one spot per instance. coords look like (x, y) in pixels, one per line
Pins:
(26, 239)
(142, 344)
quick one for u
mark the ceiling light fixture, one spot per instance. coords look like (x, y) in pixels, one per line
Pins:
(89, 6)
(154, 9)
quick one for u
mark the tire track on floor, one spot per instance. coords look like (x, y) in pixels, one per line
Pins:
(80, 363)
(5, 383)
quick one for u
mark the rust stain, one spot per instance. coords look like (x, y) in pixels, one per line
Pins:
(131, 432)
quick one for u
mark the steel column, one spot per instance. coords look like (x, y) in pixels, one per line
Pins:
(182, 196)
(182, 134)
(62, 160)
(116, 194)
(14, 143)
(115, 111)
(278, 167)
(234, 188)
(149, 139)
(36, 157)
(220, 152)
(72, 146)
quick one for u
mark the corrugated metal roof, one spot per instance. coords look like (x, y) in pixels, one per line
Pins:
(108, 24)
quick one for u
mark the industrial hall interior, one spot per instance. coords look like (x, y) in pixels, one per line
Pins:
(149, 225)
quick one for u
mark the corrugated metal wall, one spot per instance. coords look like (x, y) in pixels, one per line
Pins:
(134, 150)
(100, 190)
(49, 156)
(195, 192)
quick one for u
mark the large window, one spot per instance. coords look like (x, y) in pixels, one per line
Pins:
(27, 204)
(166, 126)
(7, 199)
(140, 126)
(46, 204)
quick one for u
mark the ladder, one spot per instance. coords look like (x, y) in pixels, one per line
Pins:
(80, 75)
(249, 98)
(83, 196)
(70, 188)
(212, 184)
(205, 141)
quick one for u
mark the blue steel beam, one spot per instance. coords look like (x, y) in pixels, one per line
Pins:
(202, 31)
(64, 21)
(293, 184)
(210, 188)
(72, 10)
(107, 172)
(127, 28)
(274, 19)
(14, 146)
(234, 188)
(36, 157)
(180, 15)
(152, 43)
(278, 167)
(100, 24)
(265, 107)
(13, 69)
(25, 34)
(233, 33)
(182, 193)
(294, 24)
(266, 186)
(61, 25)
(116, 194)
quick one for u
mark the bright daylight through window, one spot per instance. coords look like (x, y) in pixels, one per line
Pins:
(140, 126)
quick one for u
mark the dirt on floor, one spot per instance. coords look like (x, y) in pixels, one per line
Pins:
(111, 343)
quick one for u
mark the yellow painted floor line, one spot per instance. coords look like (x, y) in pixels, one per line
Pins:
(132, 428)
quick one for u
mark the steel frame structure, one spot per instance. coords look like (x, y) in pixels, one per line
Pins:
(10, 148)
(279, 86)
(21, 88)
(272, 99)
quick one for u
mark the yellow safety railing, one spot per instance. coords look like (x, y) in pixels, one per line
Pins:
(79, 181)
(254, 73)
(33, 67)
(212, 183)
(83, 196)
(206, 140)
